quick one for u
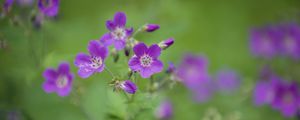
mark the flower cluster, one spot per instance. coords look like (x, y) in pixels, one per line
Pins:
(281, 94)
(46, 9)
(145, 60)
(193, 73)
(276, 40)
(281, 41)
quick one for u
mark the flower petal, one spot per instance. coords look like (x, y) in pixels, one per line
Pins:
(64, 68)
(129, 87)
(97, 49)
(50, 74)
(110, 25)
(64, 91)
(157, 66)
(101, 68)
(119, 44)
(106, 39)
(140, 49)
(82, 59)
(120, 19)
(154, 51)
(146, 72)
(85, 71)
(49, 86)
(134, 63)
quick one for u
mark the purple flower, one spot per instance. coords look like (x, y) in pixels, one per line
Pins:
(118, 33)
(192, 71)
(88, 64)
(145, 61)
(151, 27)
(264, 92)
(59, 81)
(171, 68)
(128, 86)
(264, 42)
(166, 43)
(287, 98)
(227, 80)
(290, 42)
(7, 5)
(164, 111)
(49, 7)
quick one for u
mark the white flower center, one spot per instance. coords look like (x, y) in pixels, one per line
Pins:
(146, 60)
(62, 82)
(96, 62)
(119, 33)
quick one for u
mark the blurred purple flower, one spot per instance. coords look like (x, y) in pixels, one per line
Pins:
(192, 71)
(264, 42)
(7, 5)
(151, 27)
(166, 43)
(264, 92)
(88, 64)
(164, 111)
(287, 98)
(128, 86)
(59, 81)
(171, 68)
(145, 60)
(118, 33)
(290, 43)
(49, 7)
(227, 80)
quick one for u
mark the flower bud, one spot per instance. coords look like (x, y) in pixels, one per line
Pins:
(151, 27)
(128, 86)
(166, 43)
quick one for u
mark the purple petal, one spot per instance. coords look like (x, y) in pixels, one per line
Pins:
(129, 31)
(227, 80)
(120, 19)
(154, 51)
(65, 91)
(134, 63)
(64, 68)
(140, 49)
(101, 68)
(106, 39)
(157, 66)
(119, 44)
(97, 49)
(164, 111)
(82, 59)
(146, 72)
(85, 71)
(262, 94)
(129, 87)
(49, 86)
(110, 25)
(50, 74)
(50, 9)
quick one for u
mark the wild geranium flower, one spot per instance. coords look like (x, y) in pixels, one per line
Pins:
(145, 61)
(264, 42)
(151, 27)
(290, 42)
(49, 7)
(166, 43)
(192, 71)
(287, 98)
(59, 81)
(164, 111)
(227, 80)
(118, 34)
(89, 64)
(128, 86)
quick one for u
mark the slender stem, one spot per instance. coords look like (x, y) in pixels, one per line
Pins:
(110, 73)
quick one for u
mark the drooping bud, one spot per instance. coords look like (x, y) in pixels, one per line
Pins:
(166, 43)
(127, 51)
(151, 27)
(171, 68)
(115, 55)
(128, 86)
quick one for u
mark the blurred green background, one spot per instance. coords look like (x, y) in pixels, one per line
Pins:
(216, 28)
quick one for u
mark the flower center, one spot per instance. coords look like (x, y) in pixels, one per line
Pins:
(146, 60)
(119, 33)
(96, 62)
(62, 82)
(266, 44)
